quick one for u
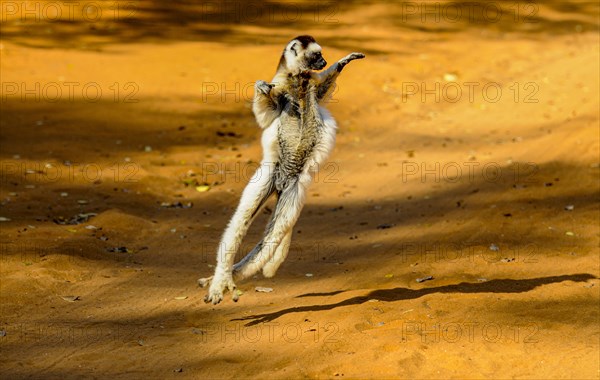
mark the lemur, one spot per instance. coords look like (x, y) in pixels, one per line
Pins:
(298, 136)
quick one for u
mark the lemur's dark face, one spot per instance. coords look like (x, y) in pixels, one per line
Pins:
(316, 60)
(303, 54)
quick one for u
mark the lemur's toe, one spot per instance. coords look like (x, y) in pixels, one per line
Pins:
(204, 282)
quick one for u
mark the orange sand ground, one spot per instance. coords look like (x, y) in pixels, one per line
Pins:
(475, 187)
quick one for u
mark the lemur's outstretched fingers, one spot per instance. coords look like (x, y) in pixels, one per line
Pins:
(353, 56)
(350, 57)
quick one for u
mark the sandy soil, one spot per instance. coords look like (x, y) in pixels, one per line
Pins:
(491, 188)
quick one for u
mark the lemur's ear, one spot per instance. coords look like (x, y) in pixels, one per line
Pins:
(293, 48)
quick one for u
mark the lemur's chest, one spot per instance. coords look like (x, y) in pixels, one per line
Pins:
(301, 130)
(294, 96)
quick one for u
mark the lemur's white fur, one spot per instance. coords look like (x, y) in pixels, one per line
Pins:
(270, 253)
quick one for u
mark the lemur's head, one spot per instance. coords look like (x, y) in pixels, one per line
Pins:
(302, 53)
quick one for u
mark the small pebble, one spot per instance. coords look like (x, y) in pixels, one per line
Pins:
(423, 279)
(70, 298)
(262, 289)
(449, 77)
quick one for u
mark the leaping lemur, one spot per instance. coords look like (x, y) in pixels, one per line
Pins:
(298, 136)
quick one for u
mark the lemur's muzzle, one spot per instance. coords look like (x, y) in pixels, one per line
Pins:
(319, 64)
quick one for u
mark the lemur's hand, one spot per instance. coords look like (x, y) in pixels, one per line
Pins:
(353, 56)
(350, 57)
(263, 87)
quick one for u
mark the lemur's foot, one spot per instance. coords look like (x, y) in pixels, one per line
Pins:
(218, 287)
(263, 87)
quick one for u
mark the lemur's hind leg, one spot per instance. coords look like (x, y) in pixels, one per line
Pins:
(203, 282)
(252, 254)
(281, 253)
(272, 265)
(256, 193)
(287, 211)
